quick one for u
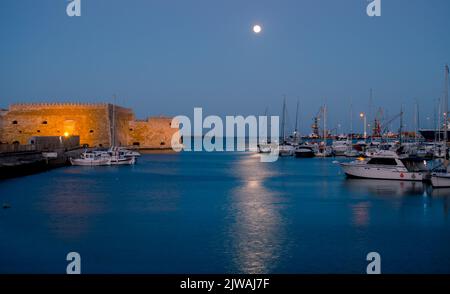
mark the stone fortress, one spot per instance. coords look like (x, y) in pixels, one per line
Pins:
(97, 125)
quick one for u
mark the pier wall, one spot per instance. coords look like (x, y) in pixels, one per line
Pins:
(97, 125)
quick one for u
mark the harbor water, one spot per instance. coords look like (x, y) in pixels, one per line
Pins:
(200, 212)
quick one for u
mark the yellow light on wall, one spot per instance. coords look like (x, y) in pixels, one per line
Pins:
(66, 134)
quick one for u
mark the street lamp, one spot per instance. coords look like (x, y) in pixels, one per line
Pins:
(363, 117)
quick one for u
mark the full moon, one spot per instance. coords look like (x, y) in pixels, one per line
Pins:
(257, 29)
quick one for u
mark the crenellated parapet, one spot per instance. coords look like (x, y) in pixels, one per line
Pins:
(56, 105)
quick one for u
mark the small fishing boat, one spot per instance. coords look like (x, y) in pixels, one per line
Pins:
(91, 159)
(119, 157)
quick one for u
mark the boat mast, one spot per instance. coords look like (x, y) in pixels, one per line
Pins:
(401, 125)
(296, 124)
(114, 121)
(369, 116)
(446, 113)
(446, 105)
(351, 125)
(416, 120)
(283, 118)
(324, 122)
(439, 120)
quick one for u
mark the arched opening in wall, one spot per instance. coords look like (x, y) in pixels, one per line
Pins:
(14, 122)
(162, 143)
(100, 145)
(136, 144)
(16, 143)
(131, 129)
(91, 131)
(32, 142)
(85, 145)
(44, 122)
(38, 131)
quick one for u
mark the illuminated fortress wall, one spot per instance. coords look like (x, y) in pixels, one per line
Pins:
(96, 124)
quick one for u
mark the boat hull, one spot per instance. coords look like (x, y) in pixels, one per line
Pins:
(440, 180)
(431, 135)
(285, 150)
(95, 162)
(123, 161)
(381, 173)
(304, 154)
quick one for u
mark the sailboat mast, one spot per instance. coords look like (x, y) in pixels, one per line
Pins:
(114, 121)
(369, 116)
(416, 120)
(446, 105)
(401, 125)
(324, 122)
(296, 123)
(283, 118)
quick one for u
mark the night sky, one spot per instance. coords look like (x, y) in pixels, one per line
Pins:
(169, 56)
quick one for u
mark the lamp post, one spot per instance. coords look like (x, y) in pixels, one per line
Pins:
(362, 115)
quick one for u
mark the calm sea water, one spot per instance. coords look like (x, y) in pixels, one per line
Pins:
(220, 213)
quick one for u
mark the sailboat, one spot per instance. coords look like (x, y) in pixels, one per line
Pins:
(264, 145)
(285, 148)
(351, 152)
(441, 179)
(324, 150)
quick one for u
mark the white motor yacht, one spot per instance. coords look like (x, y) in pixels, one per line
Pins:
(387, 165)
(305, 151)
(286, 150)
(340, 147)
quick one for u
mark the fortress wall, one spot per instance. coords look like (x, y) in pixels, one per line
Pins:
(89, 121)
(95, 124)
(152, 133)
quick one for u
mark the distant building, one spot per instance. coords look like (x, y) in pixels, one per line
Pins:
(97, 125)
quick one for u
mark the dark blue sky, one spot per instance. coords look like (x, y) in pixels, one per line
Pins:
(168, 56)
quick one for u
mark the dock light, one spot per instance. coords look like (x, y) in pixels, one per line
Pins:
(363, 116)
(66, 134)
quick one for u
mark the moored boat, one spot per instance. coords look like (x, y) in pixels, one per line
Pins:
(285, 150)
(304, 151)
(91, 159)
(387, 165)
(440, 180)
